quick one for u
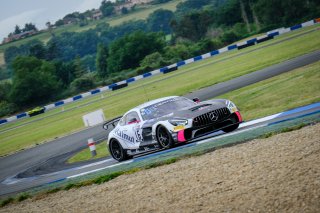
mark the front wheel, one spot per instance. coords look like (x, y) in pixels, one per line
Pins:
(230, 128)
(117, 152)
(234, 124)
(164, 138)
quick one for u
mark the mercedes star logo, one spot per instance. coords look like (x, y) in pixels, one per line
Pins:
(213, 116)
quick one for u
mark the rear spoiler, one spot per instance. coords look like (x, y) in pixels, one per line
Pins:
(111, 123)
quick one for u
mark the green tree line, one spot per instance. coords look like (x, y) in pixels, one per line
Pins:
(74, 62)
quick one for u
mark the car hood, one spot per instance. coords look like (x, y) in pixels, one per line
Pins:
(189, 112)
(197, 110)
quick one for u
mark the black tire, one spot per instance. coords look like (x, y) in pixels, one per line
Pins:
(116, 151)
(234, 124)
(230, 128)
(164, 138)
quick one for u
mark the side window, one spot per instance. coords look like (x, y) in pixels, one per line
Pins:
(122, 121)
(131, 118)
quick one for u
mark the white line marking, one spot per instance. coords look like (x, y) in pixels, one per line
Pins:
(229, 134)
(96, 170)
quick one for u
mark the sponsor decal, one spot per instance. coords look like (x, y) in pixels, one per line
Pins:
(177, 128)
(123, 135)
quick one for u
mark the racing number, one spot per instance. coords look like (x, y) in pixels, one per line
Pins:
(132, 126)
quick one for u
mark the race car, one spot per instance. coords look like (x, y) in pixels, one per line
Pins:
(36, 111)
(165, 122)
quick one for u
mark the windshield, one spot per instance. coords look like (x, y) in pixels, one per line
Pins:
(165, 107)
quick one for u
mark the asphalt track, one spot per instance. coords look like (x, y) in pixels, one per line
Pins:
(14, 184)
(46, 159)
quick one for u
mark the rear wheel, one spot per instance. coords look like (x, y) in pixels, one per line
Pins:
(117, 152)
(164, 138)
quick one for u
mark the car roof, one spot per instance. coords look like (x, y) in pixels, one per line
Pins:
(137, 108)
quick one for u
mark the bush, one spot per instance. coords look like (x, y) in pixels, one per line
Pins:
(82, 84)
(154, 61)
(23, 197)
(142, 70)
(7, 108)
(229, 37)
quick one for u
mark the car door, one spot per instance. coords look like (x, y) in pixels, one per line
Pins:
(132, 127)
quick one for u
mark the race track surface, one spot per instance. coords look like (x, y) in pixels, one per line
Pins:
(48, 158)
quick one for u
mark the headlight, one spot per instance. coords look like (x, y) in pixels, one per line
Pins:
(231, 106)
(178, 122)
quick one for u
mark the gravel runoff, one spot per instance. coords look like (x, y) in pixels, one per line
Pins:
(277, 174)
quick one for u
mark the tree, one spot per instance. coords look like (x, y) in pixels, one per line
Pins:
(101, 61)
(10, 54)
(128, 51)
(80, 70)
(58, 23)
(160, 1)
(68, 45)
(33, 82)
(29, 27)
(6, 107)
(53, 49)
(17, 30)
(124, 10)
(64, 71)
(244, 15)
(5, 88)
(192, 26)
(228, 14)
(154, 60)
(160, 20)
(82, 84)
(188, 6)
(38, 50)
(107, 8)
(5, 73)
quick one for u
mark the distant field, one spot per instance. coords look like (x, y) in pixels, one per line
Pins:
(139, 14)
(188, 78)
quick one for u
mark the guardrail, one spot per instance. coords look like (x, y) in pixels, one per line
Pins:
(170, 68)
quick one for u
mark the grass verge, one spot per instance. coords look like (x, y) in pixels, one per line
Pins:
(85, 154)
(188, 78)
(286, 91)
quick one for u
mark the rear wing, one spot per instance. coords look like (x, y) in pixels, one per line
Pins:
(111, 124)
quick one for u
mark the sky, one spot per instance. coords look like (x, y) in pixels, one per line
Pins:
(38, 12)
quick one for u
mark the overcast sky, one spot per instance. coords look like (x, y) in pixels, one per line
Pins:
(38, 12)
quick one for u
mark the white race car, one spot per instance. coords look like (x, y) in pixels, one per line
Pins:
(164, 122)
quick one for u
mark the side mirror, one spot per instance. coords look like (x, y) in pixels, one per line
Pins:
(105, 126)
(197, 100)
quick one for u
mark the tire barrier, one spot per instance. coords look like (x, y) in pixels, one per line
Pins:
(173, 67)
(116, 87)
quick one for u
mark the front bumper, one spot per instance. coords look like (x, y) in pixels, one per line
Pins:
(195, 132)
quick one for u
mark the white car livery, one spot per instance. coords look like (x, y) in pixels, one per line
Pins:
(164, 122)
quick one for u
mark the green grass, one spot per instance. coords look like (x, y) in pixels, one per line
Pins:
(85, 154)
(283, 92)
(141, 13)
(189, 78)
(286, 91)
